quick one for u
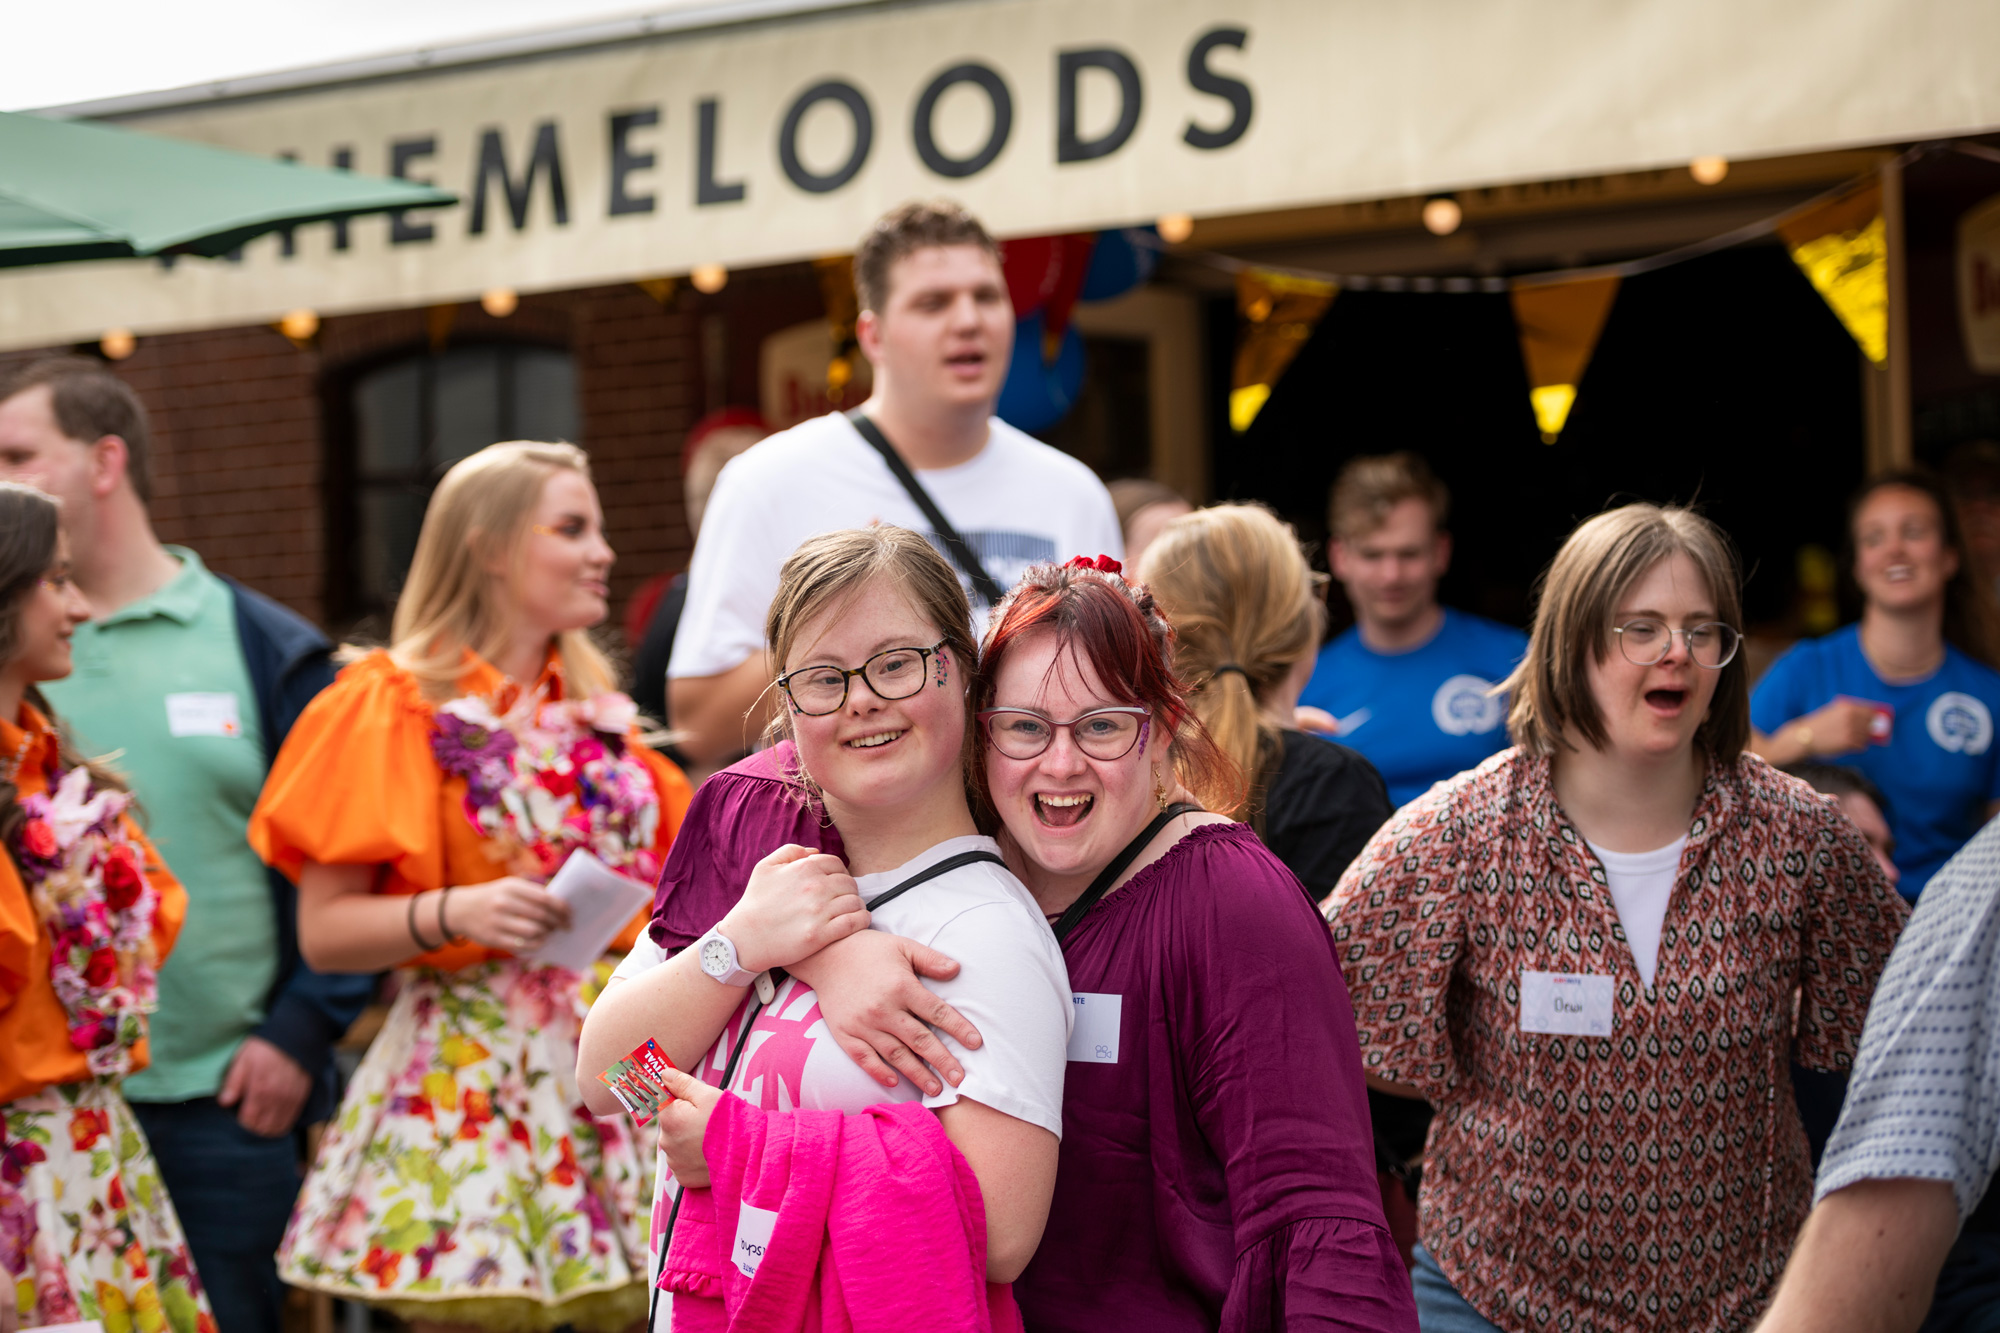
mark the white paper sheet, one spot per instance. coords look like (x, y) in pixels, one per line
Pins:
(600, 902)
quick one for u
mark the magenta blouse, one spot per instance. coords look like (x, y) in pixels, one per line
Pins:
(1219, 1173)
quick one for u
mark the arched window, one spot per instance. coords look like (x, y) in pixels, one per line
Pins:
(407, 421)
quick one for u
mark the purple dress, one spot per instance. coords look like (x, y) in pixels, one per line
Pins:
(1220, 1171)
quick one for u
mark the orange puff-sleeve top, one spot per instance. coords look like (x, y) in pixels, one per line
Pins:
(357, 783)
(35, 1047)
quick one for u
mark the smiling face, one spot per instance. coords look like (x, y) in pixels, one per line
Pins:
(946, 328)
(1901, 558)
(870, 752)
(48, 615)
(35, 452)
(559, 582)
(1653, 712)
(1069, 814)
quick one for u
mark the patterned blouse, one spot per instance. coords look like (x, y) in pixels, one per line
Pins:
(1649, 1179)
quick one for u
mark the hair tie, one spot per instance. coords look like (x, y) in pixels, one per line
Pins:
(1228, 667)
(1103, 564)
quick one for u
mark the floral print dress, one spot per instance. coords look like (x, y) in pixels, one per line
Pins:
(87, 912)
(463, 1180)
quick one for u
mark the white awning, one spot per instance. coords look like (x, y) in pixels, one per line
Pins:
(764, 130)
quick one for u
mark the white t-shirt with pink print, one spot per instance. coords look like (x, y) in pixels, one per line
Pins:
(1011, 985)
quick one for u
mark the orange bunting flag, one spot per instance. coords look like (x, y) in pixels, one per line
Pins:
(1278, 313)
(1559, 323)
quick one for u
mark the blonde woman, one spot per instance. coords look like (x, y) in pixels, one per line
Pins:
(1247, 620)
(421, 803)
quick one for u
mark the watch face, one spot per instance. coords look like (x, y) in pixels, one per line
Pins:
(715, 959)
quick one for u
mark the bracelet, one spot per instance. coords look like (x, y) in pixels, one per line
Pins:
(444, 897)
(1805, 737)
(411, 921)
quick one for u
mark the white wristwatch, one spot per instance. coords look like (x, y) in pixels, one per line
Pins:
(717, 955)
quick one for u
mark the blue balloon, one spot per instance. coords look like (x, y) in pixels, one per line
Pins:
(1120, 261)
(1038, 394)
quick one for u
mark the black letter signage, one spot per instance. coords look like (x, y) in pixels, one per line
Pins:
(1070, 64)
(1205, 80)
(707, 189)
(833, 90)
(996, 139)
(401, 153)
(493, 162)
(624, 161)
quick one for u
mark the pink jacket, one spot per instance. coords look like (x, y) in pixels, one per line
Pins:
(773, 1245)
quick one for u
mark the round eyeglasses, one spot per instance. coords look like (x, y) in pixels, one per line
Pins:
(1102, 733)
(1711, 644)
(893, 673)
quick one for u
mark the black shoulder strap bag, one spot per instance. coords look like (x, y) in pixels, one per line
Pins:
(778, 977)
(961, 551)
(1100, 886)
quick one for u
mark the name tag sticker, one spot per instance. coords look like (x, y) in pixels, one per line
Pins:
(203, 715)
(1570, 1004)
(753, 1237)
(1093, 1038)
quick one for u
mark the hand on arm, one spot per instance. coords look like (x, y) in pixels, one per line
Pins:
(882, 1014)
(719, 717)
(346, 927)
(1867, 1260)
(797, 902)
(1015, 1163)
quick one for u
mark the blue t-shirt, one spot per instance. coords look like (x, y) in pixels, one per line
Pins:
(1424, 715)
(1940, 767)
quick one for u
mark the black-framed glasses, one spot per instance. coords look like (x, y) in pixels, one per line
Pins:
(893, 673)
(1102, 733)
(1710, 644)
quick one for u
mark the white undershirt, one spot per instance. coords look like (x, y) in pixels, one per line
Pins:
(1641, 883)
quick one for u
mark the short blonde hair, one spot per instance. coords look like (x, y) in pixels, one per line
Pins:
(479, 514)
(1236, 587)
(1369, 487)
(828, 569)
(1552, 705)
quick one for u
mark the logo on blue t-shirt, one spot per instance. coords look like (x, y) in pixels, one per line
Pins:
(1959, 723)
(1462, 706)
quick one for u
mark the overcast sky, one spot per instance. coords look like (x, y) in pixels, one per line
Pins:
(72, 52)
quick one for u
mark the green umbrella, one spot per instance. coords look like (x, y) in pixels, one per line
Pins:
(72, 189)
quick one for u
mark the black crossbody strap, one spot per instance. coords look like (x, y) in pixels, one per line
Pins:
(946, 866)
(1109, 875)
(961, 551)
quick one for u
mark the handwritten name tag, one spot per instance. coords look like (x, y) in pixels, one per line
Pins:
(203, 715)
(1571, 1004)
(753, 1237)
(1093, 1038)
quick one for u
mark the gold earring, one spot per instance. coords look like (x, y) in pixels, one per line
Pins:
(1159, 789)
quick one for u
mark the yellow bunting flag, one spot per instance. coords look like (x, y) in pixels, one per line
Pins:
(1842, 248)
(1278, 313)
(1559, 323)
(843, 307)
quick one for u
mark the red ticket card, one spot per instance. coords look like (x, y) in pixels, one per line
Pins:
(639, 1081)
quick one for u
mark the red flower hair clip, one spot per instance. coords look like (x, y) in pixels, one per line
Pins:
(1103, 564)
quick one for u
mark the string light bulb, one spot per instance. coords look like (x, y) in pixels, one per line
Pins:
(500, 302)
(1442, 215)
(117, 344)
(1175, 228)
(708, 279)
(299, 325)
(1709, 170)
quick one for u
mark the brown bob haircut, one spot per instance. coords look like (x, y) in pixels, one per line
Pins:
(1603, 559)
(90, 403)
(902, 232)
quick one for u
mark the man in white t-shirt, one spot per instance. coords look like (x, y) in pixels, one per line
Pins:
(937, 324)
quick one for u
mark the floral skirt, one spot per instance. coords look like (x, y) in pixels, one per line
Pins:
(463, 1180)
(85, 1224)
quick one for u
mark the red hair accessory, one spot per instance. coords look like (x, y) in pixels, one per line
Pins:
(1104, 564)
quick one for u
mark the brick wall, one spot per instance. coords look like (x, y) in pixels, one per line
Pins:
(240, 427)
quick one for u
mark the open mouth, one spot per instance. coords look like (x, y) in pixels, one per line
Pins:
(966, 361)
(1898, 573)
(873, 742)
(1666, 701)
(1063, 811)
